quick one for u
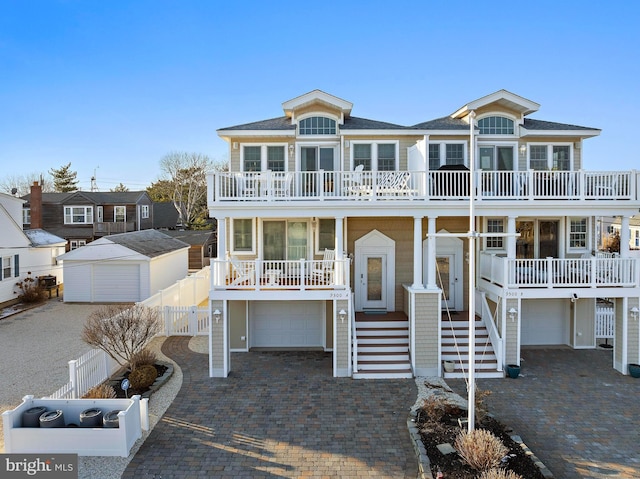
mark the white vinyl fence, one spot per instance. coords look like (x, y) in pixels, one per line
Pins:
(605, 322)
(179, 315)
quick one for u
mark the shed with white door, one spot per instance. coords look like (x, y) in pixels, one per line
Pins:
(127, 267)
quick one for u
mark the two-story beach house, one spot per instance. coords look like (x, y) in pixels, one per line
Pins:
(352, 235)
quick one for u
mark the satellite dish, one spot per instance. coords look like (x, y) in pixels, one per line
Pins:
(14, 191)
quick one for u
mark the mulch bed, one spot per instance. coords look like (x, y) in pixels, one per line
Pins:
(116, 383)
(451, 465)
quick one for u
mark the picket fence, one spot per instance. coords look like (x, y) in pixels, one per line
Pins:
(179, 316)
(605, 322)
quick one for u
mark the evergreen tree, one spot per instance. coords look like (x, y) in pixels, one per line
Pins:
(120, 188)
(64, 179)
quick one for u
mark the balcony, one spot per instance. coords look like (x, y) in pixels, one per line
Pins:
(111, 228)
(300, 275)
(529, 185)
(592, 272)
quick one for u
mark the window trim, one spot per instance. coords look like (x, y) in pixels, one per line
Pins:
(374, 152)
(115, 210)
(26, 216)
(498, 135)
(550, 146)
(324, 114)
(12, 273)
(495, 249)
(318, 249)
(442, 150)
(144, 211)
(587, 233)
(70, 214)
(264, 155)
(232, 238)
(77, 243)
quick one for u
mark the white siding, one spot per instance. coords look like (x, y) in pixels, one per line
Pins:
(165, 270)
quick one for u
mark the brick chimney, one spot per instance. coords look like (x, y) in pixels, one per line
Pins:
(36, 205)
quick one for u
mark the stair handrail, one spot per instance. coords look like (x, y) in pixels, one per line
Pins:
(354, 336)
(487, 318)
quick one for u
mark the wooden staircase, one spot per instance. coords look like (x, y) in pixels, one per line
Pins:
(383, 346)
(455, 332)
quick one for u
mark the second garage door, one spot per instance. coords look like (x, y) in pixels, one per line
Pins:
(286, 324)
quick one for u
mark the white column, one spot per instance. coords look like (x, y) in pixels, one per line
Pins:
(339, 246)
(511, 240)
(417, 253)
(431, 253)
(624, 236)
(218, 275)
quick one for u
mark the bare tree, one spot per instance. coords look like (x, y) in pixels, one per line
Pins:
(187, 173)
(22, 183)
(120, 330)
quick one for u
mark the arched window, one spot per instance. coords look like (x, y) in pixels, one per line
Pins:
(317, 125)
(496, 125)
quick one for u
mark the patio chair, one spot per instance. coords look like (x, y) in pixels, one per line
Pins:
(243, 272)
(282, 185)
(322, 271)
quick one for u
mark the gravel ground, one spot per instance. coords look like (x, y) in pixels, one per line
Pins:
(35, 348)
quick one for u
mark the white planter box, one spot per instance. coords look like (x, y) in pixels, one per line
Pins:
(133, 418)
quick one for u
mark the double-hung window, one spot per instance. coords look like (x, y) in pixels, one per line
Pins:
(275, 158)
(144, 211)
(495, 225)
(434, 156)
(78, 215)
(6, 267)
(252, 158)
(326, 234)
(26, 216)
(375, 156)
(578, 233)
(550, 157)
(362, 155)
(119, 214)
(446, 154)
(243, 235)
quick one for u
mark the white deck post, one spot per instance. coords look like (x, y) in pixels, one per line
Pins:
(218, 275)
(624, 237)
(417, 253)
(511, 240)
(339, 256)
(431, 253)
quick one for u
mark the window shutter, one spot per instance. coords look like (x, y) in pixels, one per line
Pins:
(16, 265)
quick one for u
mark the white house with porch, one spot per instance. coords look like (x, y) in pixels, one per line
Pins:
(347, 234)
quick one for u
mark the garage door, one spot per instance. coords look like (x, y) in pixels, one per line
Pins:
(545, 322)
(119, 283)
(284, 324)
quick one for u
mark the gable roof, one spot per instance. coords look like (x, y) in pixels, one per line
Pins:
(40, 237)
(97, 197)
(150, 243)
(318, 96)
(501, 97)
(280, 123)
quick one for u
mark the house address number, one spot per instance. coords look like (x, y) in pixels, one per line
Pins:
(513, 294)
(339, 295)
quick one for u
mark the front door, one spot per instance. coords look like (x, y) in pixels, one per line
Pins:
(373, 282)
(446, 279)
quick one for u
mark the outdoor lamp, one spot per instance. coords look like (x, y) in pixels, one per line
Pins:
(634, 312)
(523, 149)
(217, 314)
(512, 314)
(342, 313)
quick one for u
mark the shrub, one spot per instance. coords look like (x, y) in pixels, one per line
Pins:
(482, 409)
(480, 449)
(101, 391)
(121, 331)
(142, 358)
(499, 474)
(143, 377)
(434, 407)
(30, 290)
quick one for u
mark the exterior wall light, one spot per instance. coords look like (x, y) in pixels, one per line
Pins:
(634, 312)
(523, 150)
(291, 148)
(343, 314)
(217, 314)
(512, 314)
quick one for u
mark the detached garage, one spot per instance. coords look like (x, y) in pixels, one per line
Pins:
(123, 268)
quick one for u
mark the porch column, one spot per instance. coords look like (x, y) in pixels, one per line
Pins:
(431, 253)
(218, 274)
(339, 247)
(624, 237)
(417, 253)
(511, 240)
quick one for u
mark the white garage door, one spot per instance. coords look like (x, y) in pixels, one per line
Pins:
(119, 283)
(545, 322)
(282, 324)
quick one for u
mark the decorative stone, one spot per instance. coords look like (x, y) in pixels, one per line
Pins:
(446, 448)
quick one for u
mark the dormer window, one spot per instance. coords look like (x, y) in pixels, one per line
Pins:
(496, 125)
(317, 125)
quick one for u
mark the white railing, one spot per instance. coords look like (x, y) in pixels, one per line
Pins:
(270, 275)
(605, 322)
(354, 333)
(402, 185)
(185, 321)
(483, 310)
(593, 272)
(87, 371)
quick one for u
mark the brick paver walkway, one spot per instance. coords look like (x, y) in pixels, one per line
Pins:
(279, 414)
(578, 415)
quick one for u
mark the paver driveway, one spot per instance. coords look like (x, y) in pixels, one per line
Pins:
(279, 414)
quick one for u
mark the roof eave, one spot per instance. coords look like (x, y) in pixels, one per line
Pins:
(525, 133)
(228, 134)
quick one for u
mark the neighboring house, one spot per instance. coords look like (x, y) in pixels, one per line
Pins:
(610, 227)
(126, 267)
(165, 216)
(23, 252)
(202, 246)
(82, 216)
(351, 235)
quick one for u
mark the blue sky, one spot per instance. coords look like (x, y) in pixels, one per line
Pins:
(113, 86)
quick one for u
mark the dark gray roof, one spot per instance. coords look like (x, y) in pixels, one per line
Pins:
(150, 243)
(355, 123)
(444, 123)
(97, 197)
(193, 237)
(531, 124)
(72, 232)
(50, 197)
(281, 123)
(165, 215)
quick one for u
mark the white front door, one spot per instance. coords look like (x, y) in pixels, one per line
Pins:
(446, 279)
(373, 282)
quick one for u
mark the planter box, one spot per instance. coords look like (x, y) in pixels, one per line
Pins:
(133, 418)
